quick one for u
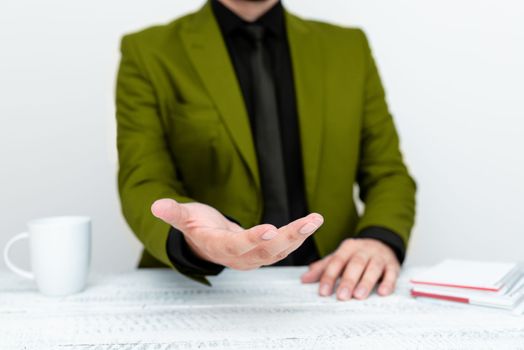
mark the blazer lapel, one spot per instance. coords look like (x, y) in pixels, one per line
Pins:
(208, 52)
(308, 63)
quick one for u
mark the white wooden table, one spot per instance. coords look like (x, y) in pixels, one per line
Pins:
(262, 309)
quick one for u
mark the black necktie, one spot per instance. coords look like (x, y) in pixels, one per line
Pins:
(267, 133)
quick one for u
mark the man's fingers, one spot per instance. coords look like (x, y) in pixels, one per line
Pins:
(171, 212)
(235, 244)
(290, 249)
(305, 225)
(315, 270)
(387, 286)
(332, 272)
(373, 272)
(351, 276)
(293, 233)
(281, 243)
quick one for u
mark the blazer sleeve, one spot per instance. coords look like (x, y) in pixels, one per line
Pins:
(146, 168)
(386, 188)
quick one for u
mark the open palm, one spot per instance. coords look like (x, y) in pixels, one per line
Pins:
(213, 237)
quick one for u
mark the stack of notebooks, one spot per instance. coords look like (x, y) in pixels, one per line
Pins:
(493, 284)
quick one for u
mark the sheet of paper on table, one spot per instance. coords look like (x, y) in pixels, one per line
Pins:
(263, 309)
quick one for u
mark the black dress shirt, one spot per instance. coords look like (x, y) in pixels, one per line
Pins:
(239, 44)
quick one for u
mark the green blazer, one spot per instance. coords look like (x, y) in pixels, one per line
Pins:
(183, 131)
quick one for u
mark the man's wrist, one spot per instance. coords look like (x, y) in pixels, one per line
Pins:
(185, 260)
(191, 249)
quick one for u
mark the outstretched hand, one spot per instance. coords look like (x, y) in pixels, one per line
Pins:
(214, 238)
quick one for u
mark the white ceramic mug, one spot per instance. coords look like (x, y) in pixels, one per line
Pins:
(60, 251)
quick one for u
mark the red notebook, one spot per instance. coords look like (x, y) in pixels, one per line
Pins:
(489, 284)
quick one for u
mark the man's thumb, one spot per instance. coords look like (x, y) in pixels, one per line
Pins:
(170, 211)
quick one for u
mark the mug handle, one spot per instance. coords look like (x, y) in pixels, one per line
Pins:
(10, 265)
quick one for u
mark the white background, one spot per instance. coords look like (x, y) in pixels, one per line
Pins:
(454, 72)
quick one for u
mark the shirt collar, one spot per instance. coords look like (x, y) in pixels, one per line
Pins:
(272, 20)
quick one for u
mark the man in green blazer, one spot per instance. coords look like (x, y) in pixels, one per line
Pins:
(244, 129)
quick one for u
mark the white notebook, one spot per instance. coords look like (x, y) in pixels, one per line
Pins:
(477, 275)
